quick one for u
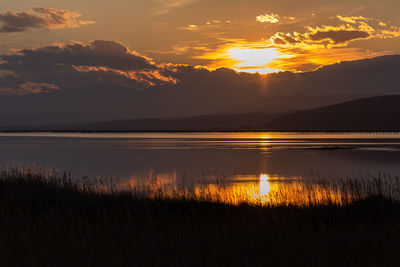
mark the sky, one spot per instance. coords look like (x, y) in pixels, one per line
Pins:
(92, 60)
(247, 36)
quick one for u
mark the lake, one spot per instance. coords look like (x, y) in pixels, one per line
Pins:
(228, 166)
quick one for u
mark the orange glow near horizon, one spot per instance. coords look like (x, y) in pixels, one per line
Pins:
(264, 58)
(246, 57)
(254, 59)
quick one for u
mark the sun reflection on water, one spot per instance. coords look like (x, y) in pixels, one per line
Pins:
(264, 185)
(262, 189)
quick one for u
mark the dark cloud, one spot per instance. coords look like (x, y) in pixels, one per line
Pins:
(106, 62)
(108, 54)
(281, 38)
(40, 18)
(339, 36)
(13, 85)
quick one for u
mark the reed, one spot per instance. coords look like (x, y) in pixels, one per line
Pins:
(47, 219)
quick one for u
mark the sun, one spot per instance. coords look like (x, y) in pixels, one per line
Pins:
(253, 59)
(246, 57)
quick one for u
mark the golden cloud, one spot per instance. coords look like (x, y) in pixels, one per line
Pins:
(270, 18)
(352, 19)
(324, 36)
(304, 60)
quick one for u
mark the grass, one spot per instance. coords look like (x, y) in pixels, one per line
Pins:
(48, 220)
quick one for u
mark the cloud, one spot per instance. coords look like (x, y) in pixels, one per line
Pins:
(352, 19)
(270, 18)
(99, 53)
(108, 62)
(274, 18)
(210, 26)
(10, 84)
(305, 60)
(339, 36)
(28, 88)
(191, 27)
(325, 36)
(162, 7)
(357, 28)
(336, 36)
(40, 18)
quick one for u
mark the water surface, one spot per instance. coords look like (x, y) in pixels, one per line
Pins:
(251, 164)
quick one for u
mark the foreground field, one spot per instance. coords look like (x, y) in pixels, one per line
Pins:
(51, 222)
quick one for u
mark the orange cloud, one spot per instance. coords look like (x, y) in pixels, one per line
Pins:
(304, 60)
(145, 77)
(352, 19)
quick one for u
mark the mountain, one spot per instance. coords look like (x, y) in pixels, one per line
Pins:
(227, 122)
(367, 114)
(380, 113)
(290, 103)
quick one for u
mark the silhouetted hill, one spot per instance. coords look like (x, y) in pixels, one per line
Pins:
(291, 103)
(367, 114)
(250, 121)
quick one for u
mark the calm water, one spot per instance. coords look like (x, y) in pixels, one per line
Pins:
(250, 164)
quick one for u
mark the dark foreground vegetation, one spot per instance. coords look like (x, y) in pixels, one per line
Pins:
(51, 222)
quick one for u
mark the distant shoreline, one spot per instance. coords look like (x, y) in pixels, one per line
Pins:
(205, 131)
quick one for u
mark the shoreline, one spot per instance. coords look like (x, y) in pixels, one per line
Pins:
(205, 131)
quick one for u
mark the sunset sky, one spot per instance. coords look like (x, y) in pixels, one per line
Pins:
(250, 36)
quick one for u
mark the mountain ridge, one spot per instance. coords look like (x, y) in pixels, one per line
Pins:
(380, 113)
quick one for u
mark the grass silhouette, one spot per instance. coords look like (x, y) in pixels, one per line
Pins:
(46, 219)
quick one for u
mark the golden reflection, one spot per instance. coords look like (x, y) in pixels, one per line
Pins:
(264, 185)
(263, 189)
(264, 142)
